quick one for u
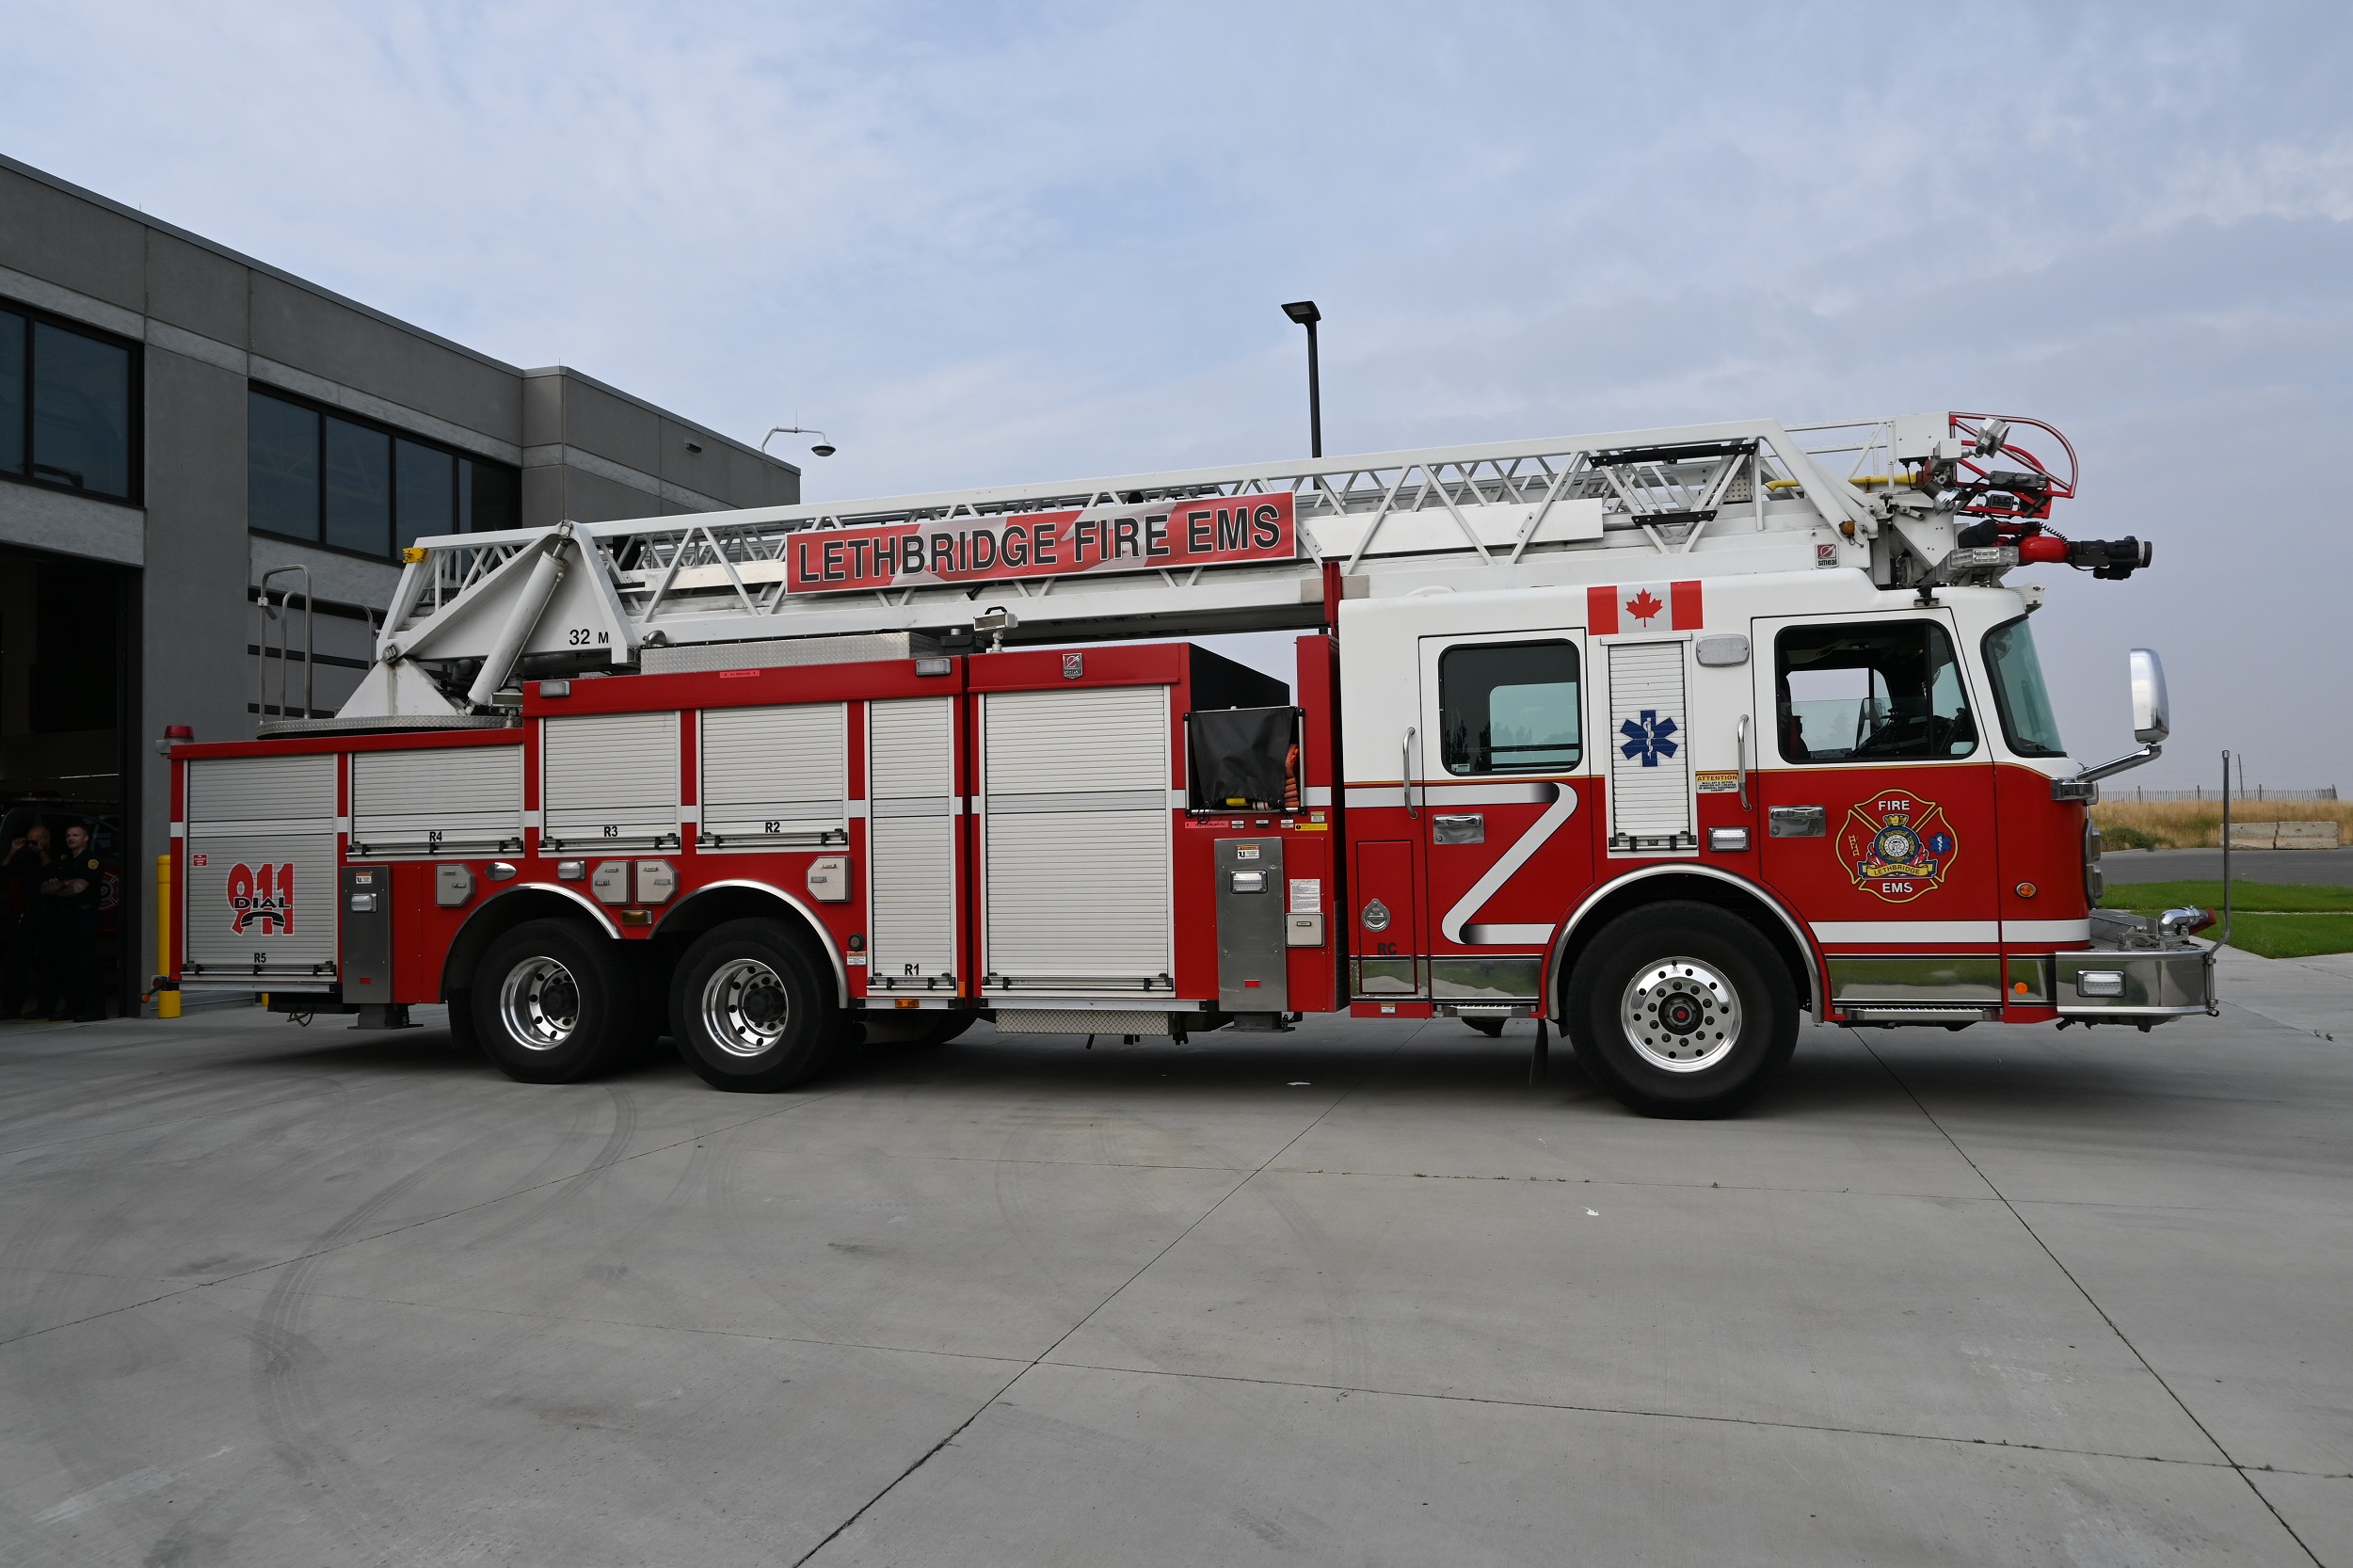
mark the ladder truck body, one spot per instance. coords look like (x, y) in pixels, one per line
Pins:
(1666, 738)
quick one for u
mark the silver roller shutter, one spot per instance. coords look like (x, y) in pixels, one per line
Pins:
(911, 845)
(1650, 752)
(1076, 839)
(775, 775)
(258, 896)
(447, 800)
(247, 794)
(610, 781)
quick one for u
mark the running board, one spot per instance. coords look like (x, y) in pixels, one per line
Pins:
(1867, 1015)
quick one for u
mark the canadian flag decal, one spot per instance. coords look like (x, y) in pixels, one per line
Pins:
(1643, 607)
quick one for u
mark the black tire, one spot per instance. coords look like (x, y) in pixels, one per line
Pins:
(553, 1002)
(1491, 1028)
(650, 974)
(911, 1031)
(1650, 1000)
(463, 1037)
(750, 1011)
(945, 1027)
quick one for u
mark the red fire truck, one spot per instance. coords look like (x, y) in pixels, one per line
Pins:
(1662, 739)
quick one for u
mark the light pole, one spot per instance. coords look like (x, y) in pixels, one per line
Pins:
(1304, 313)
(824, 448)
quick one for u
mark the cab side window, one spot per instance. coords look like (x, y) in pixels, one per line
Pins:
(1509, 708)
(1878, 691)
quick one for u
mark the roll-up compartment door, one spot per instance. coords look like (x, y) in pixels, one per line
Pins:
(775, 775)
(247, 794)
(258, 900)
(610, 781)
(1650, 757)
(1076, 839)
(911, 843)
(448, 800)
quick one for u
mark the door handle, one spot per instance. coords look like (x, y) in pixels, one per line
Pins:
(1800, 822)
(1741, 759)
(1405, 770)
(1468, 827)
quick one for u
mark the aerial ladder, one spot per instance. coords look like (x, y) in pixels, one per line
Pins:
(1913, 499)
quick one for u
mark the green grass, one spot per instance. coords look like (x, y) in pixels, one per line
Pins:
(2151, 897)
(2289, 935)
(2275, 919)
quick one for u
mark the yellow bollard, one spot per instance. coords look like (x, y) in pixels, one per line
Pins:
(166, 999)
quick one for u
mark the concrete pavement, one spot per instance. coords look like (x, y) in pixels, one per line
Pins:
(1354, 1295)
(2332, 867)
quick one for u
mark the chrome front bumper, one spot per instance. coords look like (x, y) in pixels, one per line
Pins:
(2143, 984)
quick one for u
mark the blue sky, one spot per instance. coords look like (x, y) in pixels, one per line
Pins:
(983, 243)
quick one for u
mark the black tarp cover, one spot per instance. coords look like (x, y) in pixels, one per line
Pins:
(1238, 754)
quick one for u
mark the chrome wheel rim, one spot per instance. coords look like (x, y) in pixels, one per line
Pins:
(746, 1009)
(1680, 1015)
(539, 1005)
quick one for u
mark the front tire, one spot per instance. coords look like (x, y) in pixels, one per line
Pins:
(551, 1003)
(1683, 1010)
(749, 1012)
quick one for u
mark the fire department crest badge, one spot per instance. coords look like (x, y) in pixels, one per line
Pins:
(1897, 846)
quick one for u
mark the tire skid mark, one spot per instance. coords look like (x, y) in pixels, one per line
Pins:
(208, 1108)
(285, 1400)
(60, 1235)
(616, 1139)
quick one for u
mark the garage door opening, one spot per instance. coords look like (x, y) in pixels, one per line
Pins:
(65, 663)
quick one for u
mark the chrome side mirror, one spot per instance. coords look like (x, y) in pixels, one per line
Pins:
(2151, 720)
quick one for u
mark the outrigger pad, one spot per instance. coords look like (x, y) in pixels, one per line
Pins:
(1239, 754)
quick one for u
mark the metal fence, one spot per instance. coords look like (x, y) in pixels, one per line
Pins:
(2257, 792)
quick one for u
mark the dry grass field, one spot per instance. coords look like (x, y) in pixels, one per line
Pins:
(2198, 824)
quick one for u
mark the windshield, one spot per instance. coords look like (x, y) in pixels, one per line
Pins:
(2019, 695)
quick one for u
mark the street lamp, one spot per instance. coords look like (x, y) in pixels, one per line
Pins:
(823, 447)
(1304, 313)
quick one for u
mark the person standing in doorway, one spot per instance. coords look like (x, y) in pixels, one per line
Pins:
(23, 912)
(71, 890)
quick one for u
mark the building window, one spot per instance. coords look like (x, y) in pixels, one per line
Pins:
(69, 406)
(328, 479)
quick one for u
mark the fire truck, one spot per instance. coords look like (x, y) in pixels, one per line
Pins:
(1664, 740)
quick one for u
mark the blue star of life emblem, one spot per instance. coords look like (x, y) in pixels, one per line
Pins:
(1647, 737)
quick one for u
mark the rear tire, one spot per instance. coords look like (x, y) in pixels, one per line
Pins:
(750, 1010)
(553, 1003)
(1491, 1028)
(946, 1028)
(913, 1031)
(1683, 1010)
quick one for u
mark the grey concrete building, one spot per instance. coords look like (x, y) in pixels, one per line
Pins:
(178, 421)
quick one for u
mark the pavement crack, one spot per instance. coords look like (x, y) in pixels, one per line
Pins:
(926, 1458)
(1573, 1407)
(2027, 1226)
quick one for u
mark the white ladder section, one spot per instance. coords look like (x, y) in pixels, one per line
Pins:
(469, 607)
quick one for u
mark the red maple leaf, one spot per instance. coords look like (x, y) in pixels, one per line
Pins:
(1643, 606)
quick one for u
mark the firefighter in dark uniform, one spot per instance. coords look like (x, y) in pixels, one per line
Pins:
(71, 894)
(21, 877)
